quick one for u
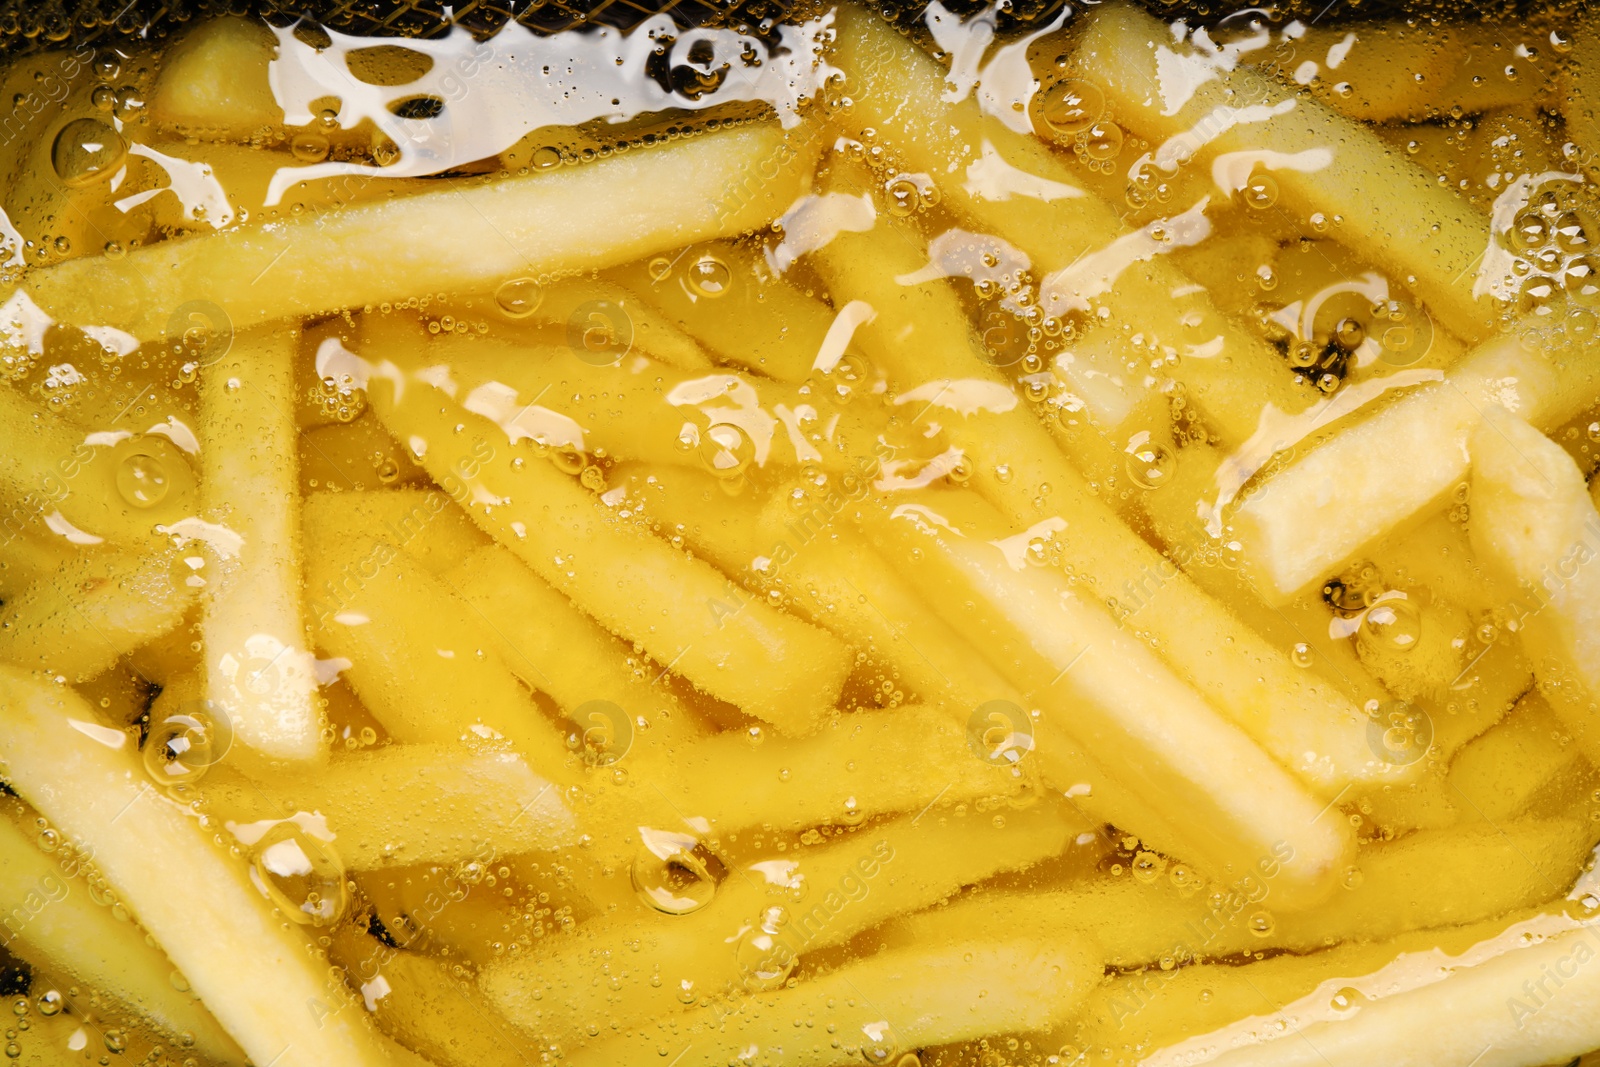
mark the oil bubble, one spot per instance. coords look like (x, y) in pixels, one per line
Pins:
(183, 746)
(142, 479)
(726, 450)
(1261, 191)
(673, 872)
(1393, 624)
(1572, 237)
(309, 146)
(1102, 141)
(764, 960)
(518, 298)
(1074, 106)
(1530, 230)
(1261, 923)
(879, 1043)
(708, 277)
(86, 151)
(301, 875)
(1581, 280)
(1347, 999)
(544, 157)
(1151, 464)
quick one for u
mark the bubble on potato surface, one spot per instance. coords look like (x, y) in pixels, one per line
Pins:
(879, 1043)
(708, 277)
(726, 450)
(183, 746)
(1261, 191)
(301, 875)
(1102, 141)
(764, 961)
(142, 479)
(1393, 624)
(674, 872)
(518, 298)
(87, 151)
(1073, 106)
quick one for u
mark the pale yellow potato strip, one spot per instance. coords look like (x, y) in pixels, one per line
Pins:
(921, 335)
(557, 649)
(1534, 522)
(878, 1007)
(1240, 809)
(757, 321)
(1524, 1003)
(424, 523)
(467, 237)
(258, 668)
(1122, 50)
(1499, 775)
(850, 884)
(418, 655)
(49, 920)
(213, 83)
(423, 803)
(898, 93)
(1300, 525)
(1433, 878)
(770, 664)
(570, 305)
(93, 788)
(101, 604)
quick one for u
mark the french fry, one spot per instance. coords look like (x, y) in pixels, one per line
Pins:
(91, 787)
(404, 804)
(101, 605)
(919, 336)
(769, 664)
(466, 238)
(418, 657)
(839, 580)
(640, 409)
(898, 93)
(258, 668)
(1203, 773)
(213, 83)
(419, 1002)
(1435, 878)
(557, 649)
(357, 456)
(566, 304)
(457, 912)
(1500, 774)
(844, 887)
(1533, 521)
(727, 298)
(1509, 1000)
(1306, 520)
(423, 523)
(1121, 51)
(50, 920)
(899, 999)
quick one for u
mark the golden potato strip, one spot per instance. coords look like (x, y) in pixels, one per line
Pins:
(772, 665)
(1303, 522)
(410, 804)
(419, 658)
(213, 83)
(1220, 112)
(639, 409)
(898, 92)
(1533, 520)
(88, 781)
(557, 649)
(1352, 69)
(569, 303)
(875, 1008)
(465, 238)
(838, 580)
(424, 523)
(419, 1001)
(99, 606)
(258, 669)
(1239, 808)
(794, 783)
(727, 298)
(1531, 1000)
(1431, 878)
(849, 885)
(357, 456)
(924, 342)
(50, 921)
(1499, 775)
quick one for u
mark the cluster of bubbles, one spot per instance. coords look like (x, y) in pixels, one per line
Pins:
(339, 399)
(1075, 112)
(1552, 241)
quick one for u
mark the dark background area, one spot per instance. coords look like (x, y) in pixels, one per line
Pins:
(26, 25)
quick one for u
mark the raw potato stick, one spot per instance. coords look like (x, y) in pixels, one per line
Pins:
(418, 655)
(877, 1007)
(771, 665)
(834, 892)
(1534, 522)
(557, 649)
(898, 92)
(1301, 524)
(572, 304)
(87, 780)
(468, 237)
(259, 670)
(48, 919)
(99, 606)
(425, 524)
(921, 336)
(1122, 52)
(401, 804)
